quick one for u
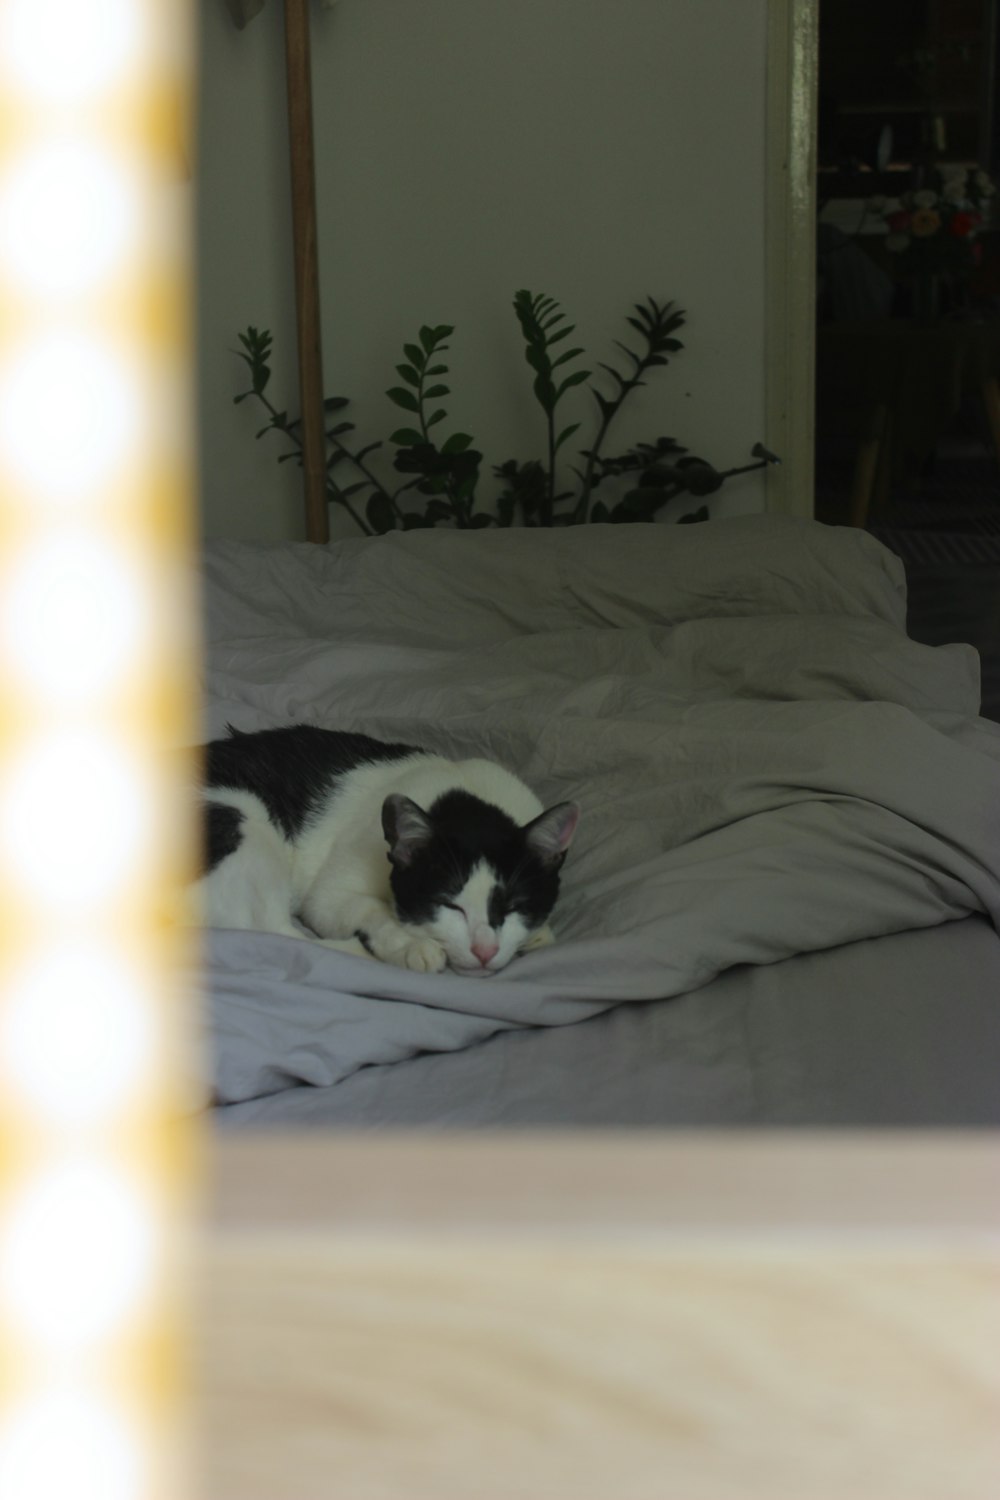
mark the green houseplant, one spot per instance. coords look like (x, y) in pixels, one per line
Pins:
(440, 476)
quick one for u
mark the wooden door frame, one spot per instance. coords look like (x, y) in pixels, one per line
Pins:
(790, 274)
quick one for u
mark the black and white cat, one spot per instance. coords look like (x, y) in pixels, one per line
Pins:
(297, 821)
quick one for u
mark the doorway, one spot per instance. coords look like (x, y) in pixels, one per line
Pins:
(907, 416)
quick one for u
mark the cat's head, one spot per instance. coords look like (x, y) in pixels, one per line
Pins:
(471, 877)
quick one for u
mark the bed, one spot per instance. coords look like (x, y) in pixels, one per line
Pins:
(781, 907)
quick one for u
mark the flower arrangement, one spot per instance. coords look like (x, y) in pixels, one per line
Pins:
(934, 229)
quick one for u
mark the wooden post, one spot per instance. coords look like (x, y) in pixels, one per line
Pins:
(303, 174)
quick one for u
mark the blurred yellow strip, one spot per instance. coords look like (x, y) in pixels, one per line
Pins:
(98, 1151)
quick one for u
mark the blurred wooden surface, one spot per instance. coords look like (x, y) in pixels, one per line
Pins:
(634, 1316)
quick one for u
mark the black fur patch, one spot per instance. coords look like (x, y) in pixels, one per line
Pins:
(222, 833)
(292, 769)
(467, 831)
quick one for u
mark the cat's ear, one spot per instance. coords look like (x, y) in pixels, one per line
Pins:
(406, 826)
(551, 833)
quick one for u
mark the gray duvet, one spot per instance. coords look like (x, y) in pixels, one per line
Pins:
(767, 766)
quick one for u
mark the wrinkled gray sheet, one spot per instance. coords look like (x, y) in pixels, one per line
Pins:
(768, 766)
(900, 1031)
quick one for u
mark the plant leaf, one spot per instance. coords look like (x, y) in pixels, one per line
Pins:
(615, 374)
(636, 360)
(431, 338)
(407, 437)
(545, 392)
(643, 502)
(436, 390)
(659, 476)
(565, 358)
(403, 398)
(567, 432)
(457, 443)
(380, 513)
(415, 355)
(438, 416)
(336, 403)
(409, 374)
(699, 477)
(577, 379)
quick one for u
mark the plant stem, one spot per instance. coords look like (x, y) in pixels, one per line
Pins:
(362, 526)
(461, 513)
(341, 499)
(582, 505)
(610, 412)
(364, 469)
(338, 495)
(550, 493)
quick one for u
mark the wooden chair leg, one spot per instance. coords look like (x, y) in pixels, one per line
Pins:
(866, 469)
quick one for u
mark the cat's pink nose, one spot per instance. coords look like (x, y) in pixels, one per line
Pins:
(484, 951)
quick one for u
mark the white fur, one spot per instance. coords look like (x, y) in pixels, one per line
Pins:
(336, 874)
(457, 931)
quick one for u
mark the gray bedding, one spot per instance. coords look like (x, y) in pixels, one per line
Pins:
(893, 1031)
(779, 789)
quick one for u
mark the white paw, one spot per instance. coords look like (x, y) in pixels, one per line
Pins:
(425, 954)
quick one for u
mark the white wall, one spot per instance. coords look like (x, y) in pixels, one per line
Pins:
(598, 150)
